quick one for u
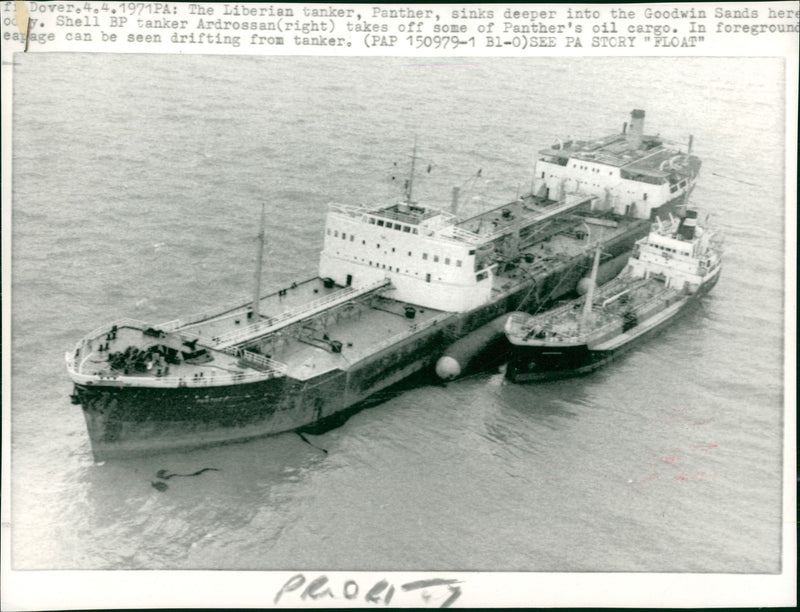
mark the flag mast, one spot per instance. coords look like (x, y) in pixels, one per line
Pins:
(259, 263)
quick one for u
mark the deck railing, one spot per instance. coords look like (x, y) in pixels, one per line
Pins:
(272, 323)
(516, 324)
(462, 235)
(265, 363)
(571, 202)
(394, 339)
(213, 380)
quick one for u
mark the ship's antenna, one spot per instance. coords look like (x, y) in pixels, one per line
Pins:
(410, 182)
(259, 263)
(587, 305)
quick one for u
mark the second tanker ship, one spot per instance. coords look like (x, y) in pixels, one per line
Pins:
(398, 283)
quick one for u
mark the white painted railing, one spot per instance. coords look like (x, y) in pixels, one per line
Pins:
(178, 324)
(572, 202)
(269, 368)
(259, 360)
(273, 323)
(212, 380)
(463, 235)
(517, 323)
(394, 339)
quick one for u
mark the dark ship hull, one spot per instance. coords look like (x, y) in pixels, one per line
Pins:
(537, 363)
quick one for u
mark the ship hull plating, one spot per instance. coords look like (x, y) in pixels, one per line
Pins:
(129, 421)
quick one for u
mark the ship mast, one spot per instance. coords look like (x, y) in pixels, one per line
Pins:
(587, 305)
(259, 262)
(410, 181)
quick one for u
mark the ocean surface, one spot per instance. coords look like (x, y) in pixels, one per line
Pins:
(137, 185)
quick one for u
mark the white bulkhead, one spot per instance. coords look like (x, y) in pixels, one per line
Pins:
(684, 260)
(629, 172)
(621, 195)
(428, 260)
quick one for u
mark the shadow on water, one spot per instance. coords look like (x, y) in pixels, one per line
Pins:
(547, 403)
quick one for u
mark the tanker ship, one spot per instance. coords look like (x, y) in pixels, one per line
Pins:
(668, 270)
(398, 285)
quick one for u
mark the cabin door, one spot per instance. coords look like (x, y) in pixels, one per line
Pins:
(349, 279)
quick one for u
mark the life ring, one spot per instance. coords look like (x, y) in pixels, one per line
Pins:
(679, 164)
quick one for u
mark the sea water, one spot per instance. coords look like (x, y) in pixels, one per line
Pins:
(137, 186)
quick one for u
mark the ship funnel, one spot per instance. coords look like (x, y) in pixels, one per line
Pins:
(688, 224)
(636, 129)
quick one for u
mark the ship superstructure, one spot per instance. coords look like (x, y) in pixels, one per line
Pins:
(631, 173)
(397, 284)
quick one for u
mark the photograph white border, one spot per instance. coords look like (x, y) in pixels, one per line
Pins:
(24, 590)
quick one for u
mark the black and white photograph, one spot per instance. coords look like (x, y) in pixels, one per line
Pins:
(381, 323)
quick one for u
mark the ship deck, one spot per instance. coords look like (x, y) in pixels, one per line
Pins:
(566, 324)
(615, 150)
(313, 336)
(524, 212)
(561, 242)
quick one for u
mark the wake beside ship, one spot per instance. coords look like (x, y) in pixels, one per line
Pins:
(398, 284)
(668, 270)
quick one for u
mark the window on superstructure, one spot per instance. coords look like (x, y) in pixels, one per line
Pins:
(458, 263)
(435, 258)
(398, 227)
(380, 222)
(406, 228)
(392, 249)
(363, 242)
(372, 221)
(335, 233)
(378, 245)
(351, 237)
(447, 261)
(409, 253)
(344, 236)
(424, 256)
(414, 231)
